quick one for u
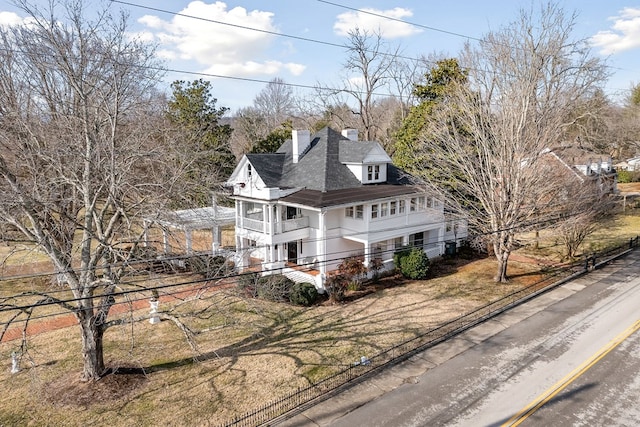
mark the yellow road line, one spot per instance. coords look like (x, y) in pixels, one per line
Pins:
(568, 379)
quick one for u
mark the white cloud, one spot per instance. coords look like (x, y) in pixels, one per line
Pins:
(253, 68)
(217, 46)
(624, 33)
(8, 19)
(367, 19)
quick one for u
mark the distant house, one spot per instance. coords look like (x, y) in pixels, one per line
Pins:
(587, 166)
(323, 197)
(631, 165)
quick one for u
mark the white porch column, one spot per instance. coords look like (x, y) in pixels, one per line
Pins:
(216, 238)
(165, 240)
(240, 253)
(271, 220)
(265, 219)
(367, 253)
(188, 241)
(239, 214)
(322, 246)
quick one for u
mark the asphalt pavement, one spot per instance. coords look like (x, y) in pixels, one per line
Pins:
(352, 406)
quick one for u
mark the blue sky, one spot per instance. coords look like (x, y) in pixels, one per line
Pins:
(201, 46)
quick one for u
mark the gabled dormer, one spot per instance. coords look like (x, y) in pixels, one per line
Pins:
(367, 160)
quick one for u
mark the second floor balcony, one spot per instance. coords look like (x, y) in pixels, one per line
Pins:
(277, 227)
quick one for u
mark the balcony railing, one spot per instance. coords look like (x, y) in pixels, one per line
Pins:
(279, 227)
(252, 224)
(292, 224)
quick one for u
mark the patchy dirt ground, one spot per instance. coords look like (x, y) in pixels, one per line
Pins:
(117, 385)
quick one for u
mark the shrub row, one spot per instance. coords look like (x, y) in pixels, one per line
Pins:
(278, 288)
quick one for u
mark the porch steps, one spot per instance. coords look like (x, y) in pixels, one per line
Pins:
(299, 277)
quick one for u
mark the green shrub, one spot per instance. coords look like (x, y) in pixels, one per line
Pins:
(625, 176)
(413, 263)
(399, 255)
(304, 294)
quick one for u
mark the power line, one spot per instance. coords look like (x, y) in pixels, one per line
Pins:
(235, 275)
(331, 44)
(166, 294)
(178, 257)
(391, 18)
(259, 30)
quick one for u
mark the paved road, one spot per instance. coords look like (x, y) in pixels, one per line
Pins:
(572, 357)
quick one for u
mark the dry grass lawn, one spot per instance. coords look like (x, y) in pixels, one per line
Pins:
(249, 351)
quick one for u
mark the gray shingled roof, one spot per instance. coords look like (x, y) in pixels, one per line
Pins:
(268, 166)
(355, 151)
(573, 155)
(320, 170)
(320, 199)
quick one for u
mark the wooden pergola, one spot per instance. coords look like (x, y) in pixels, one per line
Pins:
(188, 220)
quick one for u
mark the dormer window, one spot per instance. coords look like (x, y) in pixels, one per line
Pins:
(373, 172)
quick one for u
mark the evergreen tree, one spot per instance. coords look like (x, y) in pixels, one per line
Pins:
(409, 154)
(196, 122)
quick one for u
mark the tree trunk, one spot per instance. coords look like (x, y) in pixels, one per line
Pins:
(501, 272)
(92, 333)
(502, 255)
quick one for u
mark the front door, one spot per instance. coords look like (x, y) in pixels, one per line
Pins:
(292, 252)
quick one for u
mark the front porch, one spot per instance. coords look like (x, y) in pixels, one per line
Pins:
(299, 273)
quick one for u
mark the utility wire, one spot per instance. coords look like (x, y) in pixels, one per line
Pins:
(323, 42)
(451, 217)
(235, 275)
(391, 18)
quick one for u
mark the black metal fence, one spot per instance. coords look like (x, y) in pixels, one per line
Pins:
(306, 396)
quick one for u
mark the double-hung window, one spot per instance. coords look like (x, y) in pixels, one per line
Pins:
(373, 172)
(349, 211)
(359, 211)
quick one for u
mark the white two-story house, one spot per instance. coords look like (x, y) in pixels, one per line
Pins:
(323, 197)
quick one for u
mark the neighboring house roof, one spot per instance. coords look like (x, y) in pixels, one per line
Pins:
(579, 156)
(584, 162)
(322, 173)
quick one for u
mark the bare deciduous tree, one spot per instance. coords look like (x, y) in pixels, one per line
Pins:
(276, 103)
(367, 74)
(488, 139)
(79, 159)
